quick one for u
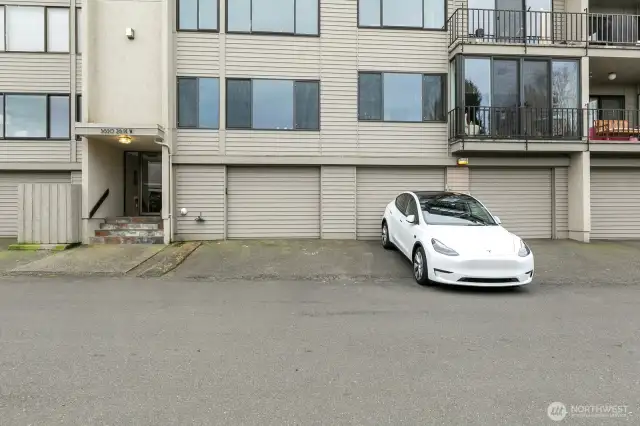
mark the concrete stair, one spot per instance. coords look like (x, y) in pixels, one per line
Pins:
(130, 230)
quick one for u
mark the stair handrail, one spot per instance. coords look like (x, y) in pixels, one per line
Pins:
(98, 203)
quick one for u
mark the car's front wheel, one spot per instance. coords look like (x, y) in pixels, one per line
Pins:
(384, 237)
(419, 261)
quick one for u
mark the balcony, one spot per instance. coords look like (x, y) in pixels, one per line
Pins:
(543, 129)
(542, 28)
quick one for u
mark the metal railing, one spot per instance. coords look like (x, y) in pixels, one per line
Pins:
(519, 123)
(473, 26)
(613, 125)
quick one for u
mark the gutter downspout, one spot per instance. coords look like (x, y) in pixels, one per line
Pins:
(170, 171)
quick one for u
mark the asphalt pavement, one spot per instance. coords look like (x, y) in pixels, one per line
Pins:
(98, 351)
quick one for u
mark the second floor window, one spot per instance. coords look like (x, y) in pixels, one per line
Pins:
(426, 14)
(34, 116)
(273, 104)
(401, 97)
(198, 15)
(198, 103)
(34, 29)
(293, 17)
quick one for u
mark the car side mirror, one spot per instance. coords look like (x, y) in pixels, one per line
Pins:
(411, 218)
(497, 219)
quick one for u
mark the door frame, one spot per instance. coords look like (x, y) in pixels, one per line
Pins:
(124, 170)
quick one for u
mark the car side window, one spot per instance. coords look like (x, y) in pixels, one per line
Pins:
(412, 208)
(401, 202)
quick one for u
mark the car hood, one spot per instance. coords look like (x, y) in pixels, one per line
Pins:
(493, 240)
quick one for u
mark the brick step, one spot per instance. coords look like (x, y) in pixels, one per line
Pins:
(129, 233)
(132, 226)
(126, 240)
(135, 219)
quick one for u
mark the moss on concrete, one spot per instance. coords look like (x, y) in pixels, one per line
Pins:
(34, 247)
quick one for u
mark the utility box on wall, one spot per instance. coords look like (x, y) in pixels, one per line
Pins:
(49, 213)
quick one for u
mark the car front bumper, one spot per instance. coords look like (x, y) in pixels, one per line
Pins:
(493, 271)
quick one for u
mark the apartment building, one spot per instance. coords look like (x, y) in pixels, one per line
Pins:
(303, 118)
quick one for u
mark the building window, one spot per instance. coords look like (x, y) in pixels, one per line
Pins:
(79, 31)
(250, 104)
(401, 97)
(35, 29)
(292, 17)
(425, 14)
(198, 15)
(198, 103)
(35, 116)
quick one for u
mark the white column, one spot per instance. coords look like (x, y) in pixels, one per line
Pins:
(580, 196)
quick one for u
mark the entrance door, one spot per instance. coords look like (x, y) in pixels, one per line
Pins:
(510, 21)
(536, 98)
(143, 183)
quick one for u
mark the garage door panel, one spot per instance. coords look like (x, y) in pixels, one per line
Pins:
(522, 198)
(376, 187)
(615, 203)
(273, 202)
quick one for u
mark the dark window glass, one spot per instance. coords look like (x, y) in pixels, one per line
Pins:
(26, 116)
(208, 103)
(455, 210)
(79, 108)
(401, 202)
(370, 96)
(307, 105)
(433, 108)
(239, 104)
(59, 120)
(198, 14)
(187, 102)
(402, 97)
(412, 207)
(428, 14)
(272, 106)
(273, 16)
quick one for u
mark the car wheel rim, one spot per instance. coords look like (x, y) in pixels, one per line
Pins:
(418, 265)
(384, 234)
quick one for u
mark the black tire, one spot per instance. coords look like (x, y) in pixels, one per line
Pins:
(384, 237)
(419, 266)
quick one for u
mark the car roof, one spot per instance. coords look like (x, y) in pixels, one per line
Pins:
(434, 194)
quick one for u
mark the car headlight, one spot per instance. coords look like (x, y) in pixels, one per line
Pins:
(443, 249)
(524, 250)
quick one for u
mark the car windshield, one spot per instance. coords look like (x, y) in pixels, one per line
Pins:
(454, 209)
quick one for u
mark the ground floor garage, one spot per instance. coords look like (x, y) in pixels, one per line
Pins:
(9, 182)
(615, 203)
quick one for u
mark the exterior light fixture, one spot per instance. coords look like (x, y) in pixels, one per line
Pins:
(125, 139)
(463, 161)
(612, 76)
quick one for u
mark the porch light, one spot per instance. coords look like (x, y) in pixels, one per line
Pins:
(612, 76)
(463, 161)
(125, 139)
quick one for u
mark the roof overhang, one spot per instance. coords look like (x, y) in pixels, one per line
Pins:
(111, 133)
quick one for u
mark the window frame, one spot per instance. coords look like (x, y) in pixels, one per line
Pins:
(293, 81)
(45, 30)
(444, 86)
(396, 27)
(48, 97)
(197, 126)
(269, 33)
(197, 30)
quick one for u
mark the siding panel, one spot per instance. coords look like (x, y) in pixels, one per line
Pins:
(562, 202)
(402, 139)
(35, 151)
(377, 187)
(197, 142)
(9, 196)
(273, 202)
(615, 204)
(256, 142)
(521, 198)
(200, 189)
(198, 54)
(35, 72)
(272, 56)
(339, 202)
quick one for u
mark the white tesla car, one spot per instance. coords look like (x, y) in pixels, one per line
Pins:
(452, 238)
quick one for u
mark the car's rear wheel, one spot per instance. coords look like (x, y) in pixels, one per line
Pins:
(419, 262)
(384, 237)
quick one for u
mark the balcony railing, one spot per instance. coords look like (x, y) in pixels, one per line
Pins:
(473, 26)
(621, 125)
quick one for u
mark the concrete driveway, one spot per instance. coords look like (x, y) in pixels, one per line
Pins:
(558, 262)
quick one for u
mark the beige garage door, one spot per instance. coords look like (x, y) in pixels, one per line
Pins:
(615, 204)
(376, 187)
(9, 196)
(273, 202)
(520, 197)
